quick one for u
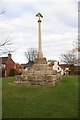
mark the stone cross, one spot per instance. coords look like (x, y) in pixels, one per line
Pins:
(39, 35)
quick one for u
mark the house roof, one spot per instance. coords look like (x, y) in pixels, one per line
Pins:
(29, 64)
(18, 65)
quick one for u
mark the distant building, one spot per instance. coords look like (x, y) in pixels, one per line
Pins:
(18, 68)
(57, 67)
(9, 64)
(64, 68)
(3, 64)
(3, 61)
(6, 63)
(26, 65)
(51, 62)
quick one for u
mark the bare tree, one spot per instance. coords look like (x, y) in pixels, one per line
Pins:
(31, 54)
(6, 42)
(68, 58)
(5, 45)
(76, 45)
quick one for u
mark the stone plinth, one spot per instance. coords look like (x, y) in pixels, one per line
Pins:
(40, 74)
(40, 60)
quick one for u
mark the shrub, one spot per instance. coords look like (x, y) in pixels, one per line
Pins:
(72, 70)
(13, 72)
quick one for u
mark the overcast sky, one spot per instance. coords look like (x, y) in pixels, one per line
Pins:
(59, 26)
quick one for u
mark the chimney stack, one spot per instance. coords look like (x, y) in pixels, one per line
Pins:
(9, 56)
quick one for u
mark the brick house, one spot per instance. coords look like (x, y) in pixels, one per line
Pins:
(9, 64)
(66, 68)
(3, 64)
(3, 61)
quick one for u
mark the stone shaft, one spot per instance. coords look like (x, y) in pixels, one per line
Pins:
(39, 39)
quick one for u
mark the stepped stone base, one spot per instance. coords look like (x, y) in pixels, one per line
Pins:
(40, 74)
(40, 60)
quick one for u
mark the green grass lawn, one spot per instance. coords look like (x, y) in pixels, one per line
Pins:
(21, 101)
